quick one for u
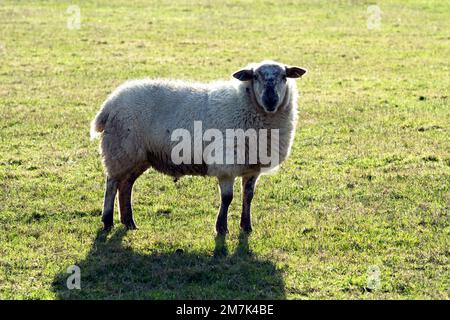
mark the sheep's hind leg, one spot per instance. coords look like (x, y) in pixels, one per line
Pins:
(126, 211)
(108, 204)
(226, 194)
(125, 191)
(248, 189)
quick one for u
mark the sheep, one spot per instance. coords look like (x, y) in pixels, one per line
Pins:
(138, 120)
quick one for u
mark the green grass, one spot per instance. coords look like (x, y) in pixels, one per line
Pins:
(367, 182)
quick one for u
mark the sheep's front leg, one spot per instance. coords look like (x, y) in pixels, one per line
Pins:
(226, 194)
(248, 190)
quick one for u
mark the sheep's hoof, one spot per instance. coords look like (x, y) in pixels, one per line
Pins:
(130, 225)
(247, 229)
(107, 226)
(221, 230)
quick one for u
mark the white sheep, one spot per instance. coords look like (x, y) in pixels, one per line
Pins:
(138, 121)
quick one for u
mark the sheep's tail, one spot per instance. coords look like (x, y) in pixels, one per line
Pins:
(99, 122)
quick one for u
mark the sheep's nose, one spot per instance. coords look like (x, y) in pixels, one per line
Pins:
(270, 100)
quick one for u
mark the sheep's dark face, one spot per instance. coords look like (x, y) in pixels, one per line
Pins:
(269, 82)
(269, 85)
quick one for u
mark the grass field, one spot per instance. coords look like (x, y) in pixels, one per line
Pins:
(366, 187)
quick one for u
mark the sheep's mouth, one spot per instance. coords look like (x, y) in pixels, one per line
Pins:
(270, 109)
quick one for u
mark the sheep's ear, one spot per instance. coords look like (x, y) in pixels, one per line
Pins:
(294, 72)
(244, 74)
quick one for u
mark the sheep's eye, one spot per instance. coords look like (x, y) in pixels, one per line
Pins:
(284, 77)
(255, 77)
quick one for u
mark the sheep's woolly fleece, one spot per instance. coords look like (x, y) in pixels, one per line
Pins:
(137, 120)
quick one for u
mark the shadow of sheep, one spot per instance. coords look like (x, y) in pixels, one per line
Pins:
(112, 271)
